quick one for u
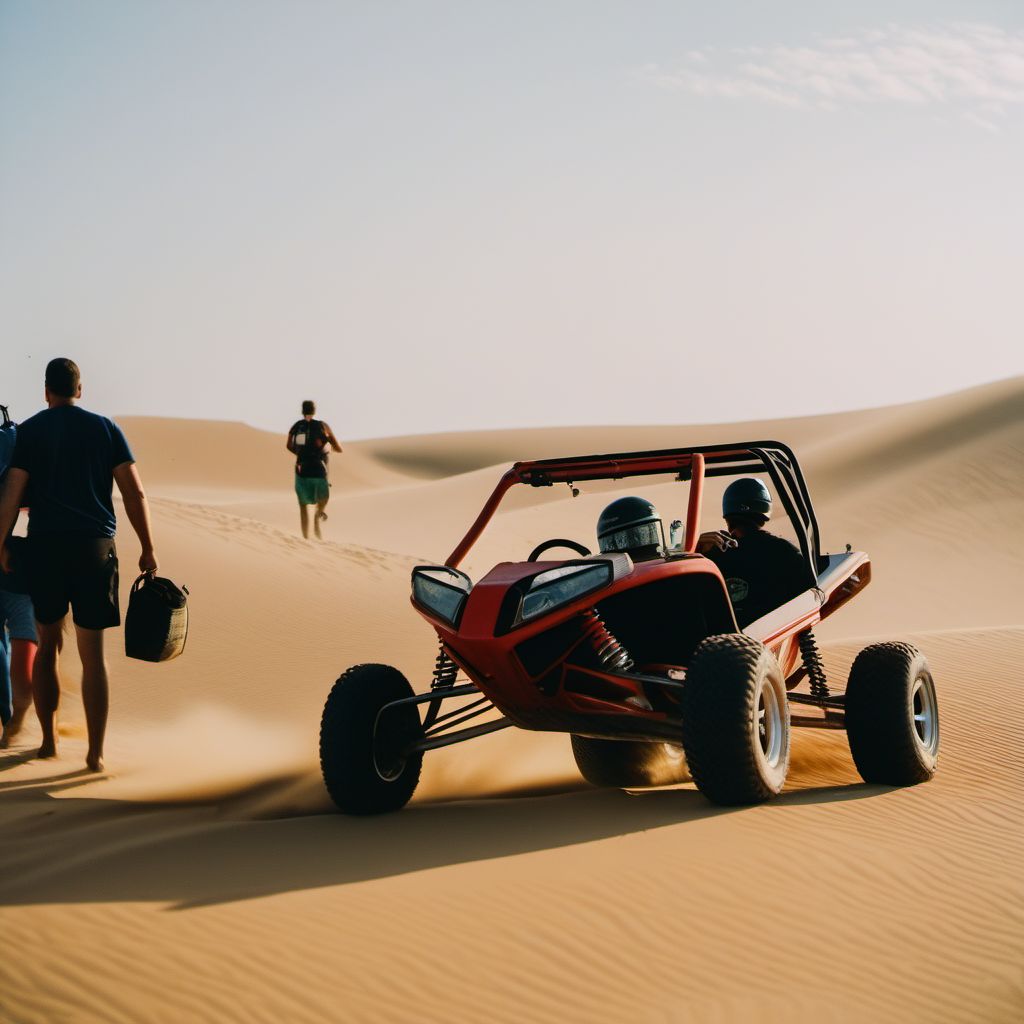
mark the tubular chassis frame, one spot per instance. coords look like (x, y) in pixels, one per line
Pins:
(687, 464)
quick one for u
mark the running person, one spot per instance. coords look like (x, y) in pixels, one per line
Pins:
(309, 440)
(65, 463)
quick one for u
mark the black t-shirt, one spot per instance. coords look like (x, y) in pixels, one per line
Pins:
(70, 455)
(762, 572)
(309, 441)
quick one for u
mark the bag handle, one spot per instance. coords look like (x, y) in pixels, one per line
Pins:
(7, 417)
(142, 576)
(150, 574)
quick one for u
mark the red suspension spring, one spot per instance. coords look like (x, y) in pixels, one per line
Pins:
(609, 652)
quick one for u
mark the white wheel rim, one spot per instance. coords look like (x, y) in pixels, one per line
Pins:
(673, 752)
(768, 724)
(924, 709)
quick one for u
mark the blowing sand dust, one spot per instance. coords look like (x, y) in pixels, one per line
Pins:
(204, 877)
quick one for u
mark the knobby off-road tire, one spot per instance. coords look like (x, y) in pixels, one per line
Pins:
(359, 746)
(627, 764)
(892, 715)
(736, 720)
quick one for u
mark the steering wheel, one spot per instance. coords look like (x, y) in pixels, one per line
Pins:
(558, 542)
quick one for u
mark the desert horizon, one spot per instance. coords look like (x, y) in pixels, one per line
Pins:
(205, 874)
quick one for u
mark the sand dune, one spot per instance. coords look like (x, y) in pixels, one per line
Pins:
(205, 878)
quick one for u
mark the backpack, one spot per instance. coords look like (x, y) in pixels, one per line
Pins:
(310, 440)
(156, 625)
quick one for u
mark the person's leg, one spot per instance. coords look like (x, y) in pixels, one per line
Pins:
(5, 680)
(94, 608)
(323, 495)
(22, 629)
(46, 683)
(95, 692)
(23, 654)
(301, 488)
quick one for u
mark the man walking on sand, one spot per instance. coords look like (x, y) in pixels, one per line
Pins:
(308, 441)
(65, 463)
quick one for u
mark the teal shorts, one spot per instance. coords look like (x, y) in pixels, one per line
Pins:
(312, 490)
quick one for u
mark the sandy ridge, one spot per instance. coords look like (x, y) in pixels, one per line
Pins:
(203, 880)
(503, 880)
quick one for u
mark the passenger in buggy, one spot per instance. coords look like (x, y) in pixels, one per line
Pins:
(761, 569)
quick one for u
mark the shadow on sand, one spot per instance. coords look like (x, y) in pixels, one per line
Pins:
(89, 850)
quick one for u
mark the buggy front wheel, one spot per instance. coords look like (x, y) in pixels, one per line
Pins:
(736, 720)
(364, 742)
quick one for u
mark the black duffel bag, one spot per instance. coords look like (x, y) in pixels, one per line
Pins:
(156, 625)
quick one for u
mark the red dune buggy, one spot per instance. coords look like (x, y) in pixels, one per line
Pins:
(640, 662)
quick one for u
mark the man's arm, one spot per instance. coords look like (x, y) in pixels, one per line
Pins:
(10, 502)
(137, 509)
(715, 540)
(332, 439)
(290, 442)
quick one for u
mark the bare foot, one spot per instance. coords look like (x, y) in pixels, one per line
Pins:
(47, 750)
(94, 763)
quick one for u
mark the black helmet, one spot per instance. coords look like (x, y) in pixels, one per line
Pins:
(747, 497)
(630, 524)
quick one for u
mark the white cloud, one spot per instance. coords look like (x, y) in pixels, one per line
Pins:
(973, 68)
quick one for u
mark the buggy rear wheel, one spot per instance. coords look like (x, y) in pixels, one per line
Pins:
(736, 720)
(363, 742)
(628, 764)
(892, 715)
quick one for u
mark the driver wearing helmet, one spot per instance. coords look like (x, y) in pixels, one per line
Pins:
(631, 525)
(761, 570)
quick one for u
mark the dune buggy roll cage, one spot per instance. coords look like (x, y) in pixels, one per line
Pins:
(692, 464)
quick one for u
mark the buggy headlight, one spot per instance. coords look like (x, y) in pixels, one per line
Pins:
(442, 591)
(556, 587)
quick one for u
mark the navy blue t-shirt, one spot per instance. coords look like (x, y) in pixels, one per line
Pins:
(70, 455)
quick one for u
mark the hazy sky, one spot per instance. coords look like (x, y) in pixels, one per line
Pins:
(440, 215)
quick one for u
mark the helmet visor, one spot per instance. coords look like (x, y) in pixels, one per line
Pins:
(631, 537)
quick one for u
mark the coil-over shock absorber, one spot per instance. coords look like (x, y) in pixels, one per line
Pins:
(608, 651)
(812, 662)
(445, 671)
